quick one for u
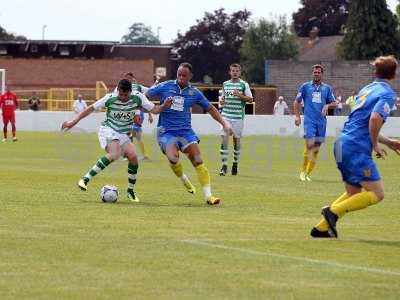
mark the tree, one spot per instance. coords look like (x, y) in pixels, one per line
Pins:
(266, 40)
(213, 43)
(140, 34)
(5, 36)
(328, 15)
(371, 30)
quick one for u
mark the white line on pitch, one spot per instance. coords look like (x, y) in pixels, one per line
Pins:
(297, 258)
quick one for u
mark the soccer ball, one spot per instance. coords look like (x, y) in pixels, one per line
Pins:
(109, 194)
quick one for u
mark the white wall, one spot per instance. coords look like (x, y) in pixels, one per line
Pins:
(202, 124)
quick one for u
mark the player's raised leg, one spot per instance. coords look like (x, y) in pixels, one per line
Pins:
(171, 151)
(193, 153)
(133, 166)
(113, 150)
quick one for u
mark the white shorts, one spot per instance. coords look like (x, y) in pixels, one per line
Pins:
(107, 135)
(237, 128)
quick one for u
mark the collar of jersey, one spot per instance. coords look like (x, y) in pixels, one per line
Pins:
(188, 86)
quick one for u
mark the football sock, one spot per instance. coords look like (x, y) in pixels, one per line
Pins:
(204, 178)
(323, 225)
(5, 131)
(236, 153)
(177, 169)
(312, 162)
(305, 159)
(100, 165)
(224, 152)
(356, 202)
(14, 129)
(132, 172)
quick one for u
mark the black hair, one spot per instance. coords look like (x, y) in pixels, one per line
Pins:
(125, 85)
(186, 65)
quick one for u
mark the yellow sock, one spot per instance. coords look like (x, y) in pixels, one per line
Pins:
(322, 225)
(305, 159)
(204, 178)
(312, 162)
(177, 169)
(141, 145)
(356, 202)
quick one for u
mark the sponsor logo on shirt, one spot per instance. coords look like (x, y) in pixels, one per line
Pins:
(386, 108)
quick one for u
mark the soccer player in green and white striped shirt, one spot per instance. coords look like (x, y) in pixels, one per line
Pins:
(114, 130)
(236, 92)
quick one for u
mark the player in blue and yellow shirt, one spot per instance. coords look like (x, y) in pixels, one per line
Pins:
(353, 149)
(317, 98)
(175, 133)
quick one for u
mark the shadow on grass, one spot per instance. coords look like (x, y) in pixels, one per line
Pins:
(147, 204)
(381, 243)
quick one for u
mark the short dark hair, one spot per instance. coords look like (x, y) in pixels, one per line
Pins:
(125, 85)
(318, 66)
(186, 65)
(385, 67)
(129, 74)
(235, 65)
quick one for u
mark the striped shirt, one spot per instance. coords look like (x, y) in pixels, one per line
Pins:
(234, 107)
(119, 114)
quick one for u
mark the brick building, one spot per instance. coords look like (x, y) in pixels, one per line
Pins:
(44, 64)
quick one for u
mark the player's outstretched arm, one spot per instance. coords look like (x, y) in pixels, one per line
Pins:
(217, 117)
(69, 124)
(160, 108)
(390, 143)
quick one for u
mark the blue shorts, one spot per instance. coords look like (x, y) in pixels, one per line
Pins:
(315, 131)
(136, 128)
(181, 138)
(355, 167)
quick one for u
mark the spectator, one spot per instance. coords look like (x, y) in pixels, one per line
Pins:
(281, 107)
(79, 104)
(34, 102)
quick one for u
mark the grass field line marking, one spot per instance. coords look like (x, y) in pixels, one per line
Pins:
(297, 258)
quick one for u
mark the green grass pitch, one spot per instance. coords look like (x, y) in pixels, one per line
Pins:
(57, 242)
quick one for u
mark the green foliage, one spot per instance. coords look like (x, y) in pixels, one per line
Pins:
(141, 34)
(328, 15)
(58, 242)
(371, 30)
(5, 36)
(213, 44)
(266, 40)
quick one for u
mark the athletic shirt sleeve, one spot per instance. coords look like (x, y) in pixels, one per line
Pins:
(143, 89)
(202, 100)
(300, 93)
(330, 96)
(146, 103)
(156, 90)
(101, 103)
(384, 105)
(247, 91)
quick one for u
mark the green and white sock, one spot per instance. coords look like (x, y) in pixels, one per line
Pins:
(100, 165)
(224, 152)
(236, 154)
(132, 172)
